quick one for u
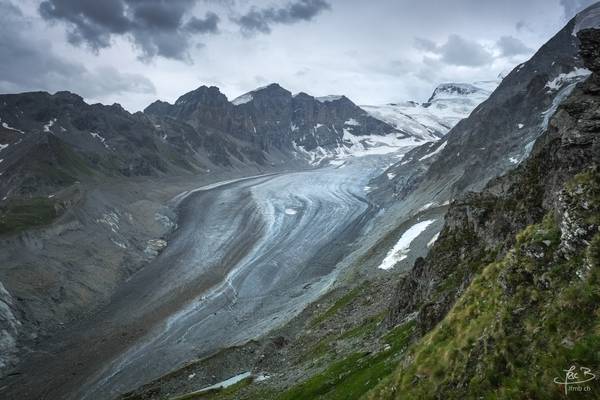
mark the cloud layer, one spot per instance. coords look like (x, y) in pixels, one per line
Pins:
(134, 51)
(156, 27)
(29, 63)
(261, 20)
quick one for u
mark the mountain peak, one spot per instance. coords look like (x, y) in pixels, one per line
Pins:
(203, 95)
(273, 89)
(453, 89)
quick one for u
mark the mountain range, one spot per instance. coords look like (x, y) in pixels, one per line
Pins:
(48, 142)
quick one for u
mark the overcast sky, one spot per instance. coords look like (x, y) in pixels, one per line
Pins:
(374, 51)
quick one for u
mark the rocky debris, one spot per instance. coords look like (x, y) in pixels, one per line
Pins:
(154, 247)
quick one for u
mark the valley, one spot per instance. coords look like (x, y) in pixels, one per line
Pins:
(289, 246)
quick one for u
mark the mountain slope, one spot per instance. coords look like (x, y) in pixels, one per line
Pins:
(507, 297)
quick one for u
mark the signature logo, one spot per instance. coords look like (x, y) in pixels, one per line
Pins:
(574, 379)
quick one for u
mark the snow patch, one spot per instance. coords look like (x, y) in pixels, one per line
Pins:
(576, 75)
(6, 126)
(226, 383)
(433, 239)
(352, 122)
(325, 99)
(400, 251)
(427, 206)
(100, 138)
(49, 125)
(433, 153)
(290, 211)
(356, 146)
(520, 126)
(3, 146)
(243, 99)
(391, 176)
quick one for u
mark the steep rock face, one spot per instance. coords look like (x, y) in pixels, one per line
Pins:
(50, 141)
(500, 132)
(480, 227)
(272, 119)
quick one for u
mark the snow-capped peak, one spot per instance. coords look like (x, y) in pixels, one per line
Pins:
(449, 103)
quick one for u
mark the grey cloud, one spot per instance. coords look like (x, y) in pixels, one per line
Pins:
(510, 46)
(425, 44)
(209, 24)
(461, 51)
(457, 51)
(153, 25)
(520, 26)
(30, 64)
(261, 20)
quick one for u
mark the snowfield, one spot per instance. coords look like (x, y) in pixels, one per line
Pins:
(400, 251)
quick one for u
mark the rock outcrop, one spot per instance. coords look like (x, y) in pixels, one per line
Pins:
(481, 227)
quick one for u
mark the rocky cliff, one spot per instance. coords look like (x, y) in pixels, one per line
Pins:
(274, 119)
(514, 273)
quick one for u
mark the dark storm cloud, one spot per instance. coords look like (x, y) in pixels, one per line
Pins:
(457, 51)
(261, 20)
(29, 63)
(510, 46)
(157, 27)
